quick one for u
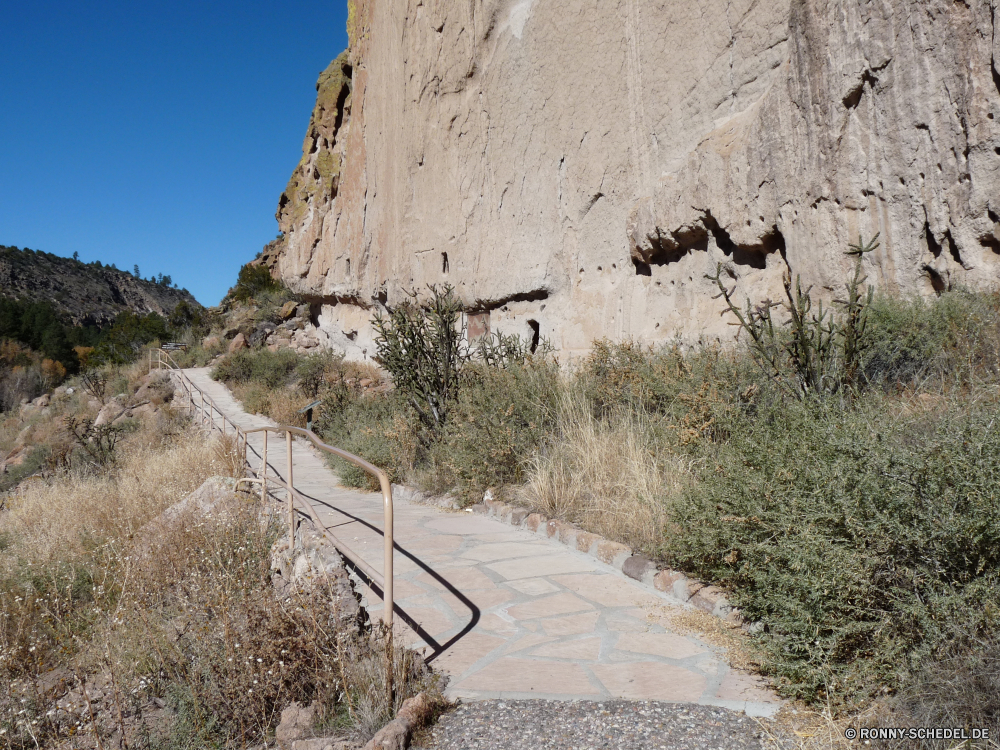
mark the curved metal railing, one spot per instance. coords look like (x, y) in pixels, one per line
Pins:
(207, 410)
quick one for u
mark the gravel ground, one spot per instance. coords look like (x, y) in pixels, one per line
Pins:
(609, 725)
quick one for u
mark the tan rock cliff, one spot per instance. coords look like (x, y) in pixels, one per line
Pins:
(576, 168)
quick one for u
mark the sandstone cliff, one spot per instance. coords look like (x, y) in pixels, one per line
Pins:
(575, 168)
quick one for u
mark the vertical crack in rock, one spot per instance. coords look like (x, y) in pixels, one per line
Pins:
(932, 243)
(953, 248)
(993, 57)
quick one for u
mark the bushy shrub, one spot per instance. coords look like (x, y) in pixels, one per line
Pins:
(261, 366)
(421, 345)
(855, 538)
(817, 352)
(951, 340)
(254, 280)
(498, 423)
(958, 685)
(128, 336)
(380, 429)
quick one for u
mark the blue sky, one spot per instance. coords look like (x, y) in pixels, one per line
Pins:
(156, 133)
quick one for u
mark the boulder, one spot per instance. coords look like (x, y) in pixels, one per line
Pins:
(210, 342)
(157, 388)
(239, 342)
(110, 411)
(288, 309)
(296, 723)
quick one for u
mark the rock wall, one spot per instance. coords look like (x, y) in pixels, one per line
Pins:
(575, 169)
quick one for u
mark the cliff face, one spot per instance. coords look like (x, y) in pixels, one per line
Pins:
(85, 294)
(576, 168)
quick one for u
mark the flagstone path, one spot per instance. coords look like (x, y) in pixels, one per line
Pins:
(508, 614)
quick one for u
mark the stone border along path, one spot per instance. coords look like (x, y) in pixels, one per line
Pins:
(508, 614)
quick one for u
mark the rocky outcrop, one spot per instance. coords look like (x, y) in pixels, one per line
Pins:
(575, 169)
(86, 294)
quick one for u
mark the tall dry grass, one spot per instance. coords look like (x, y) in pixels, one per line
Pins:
(67, 516)
(602, 475)
(179, 611)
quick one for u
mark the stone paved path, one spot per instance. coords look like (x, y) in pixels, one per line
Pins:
(507, 614)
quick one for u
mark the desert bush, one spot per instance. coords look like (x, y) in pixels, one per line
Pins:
(852, 534)
(381, 430)
(316, 372)
(820, 352)
(958, 685)
(498, 422)
(251, 281)
(421, 345)
(953, 340)
(128, 337)
(258, 366)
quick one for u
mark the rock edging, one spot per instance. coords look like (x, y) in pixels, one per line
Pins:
(396, 735)
(673, 583)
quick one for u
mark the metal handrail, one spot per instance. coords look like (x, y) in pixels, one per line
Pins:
(385, 580)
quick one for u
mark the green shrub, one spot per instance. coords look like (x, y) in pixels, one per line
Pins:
(128, 336)
(254, 280)
(421, 345)
(260, 366)
(819, 352)
(958, 685)
(500, 420)
(855, 537)
(379, 429)
(951, 340)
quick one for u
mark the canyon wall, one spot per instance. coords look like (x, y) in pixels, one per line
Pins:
(574, 169)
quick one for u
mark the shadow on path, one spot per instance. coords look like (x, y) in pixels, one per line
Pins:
(436, 648)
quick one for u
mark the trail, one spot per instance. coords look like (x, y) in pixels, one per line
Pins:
(508, 614)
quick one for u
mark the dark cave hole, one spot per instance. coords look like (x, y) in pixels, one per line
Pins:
(535, 334)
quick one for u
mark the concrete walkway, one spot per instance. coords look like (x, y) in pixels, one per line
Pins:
(507, 614)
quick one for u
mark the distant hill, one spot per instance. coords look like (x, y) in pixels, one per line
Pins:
(87, 293)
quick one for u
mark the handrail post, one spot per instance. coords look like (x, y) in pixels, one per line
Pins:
(263, 471)
(387, 576)
(290, 498)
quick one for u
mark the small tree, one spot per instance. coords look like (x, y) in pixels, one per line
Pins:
(421, 344)
(253, 280)
(823, 351)
(98, 441)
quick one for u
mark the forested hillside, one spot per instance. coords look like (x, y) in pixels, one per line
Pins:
(85, 293)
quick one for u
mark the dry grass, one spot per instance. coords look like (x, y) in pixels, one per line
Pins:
(602, 475)
(67, 515)
(181, 610)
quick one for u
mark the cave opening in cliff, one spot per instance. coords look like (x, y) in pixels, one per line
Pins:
(444, 263)
(938, 283)
(992, 239)
(535, 334)
(642, 269)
